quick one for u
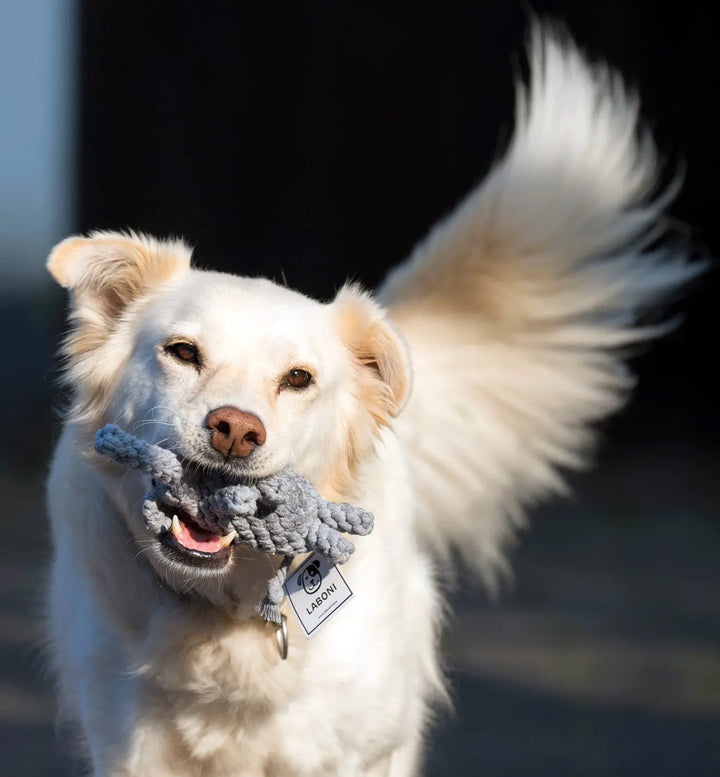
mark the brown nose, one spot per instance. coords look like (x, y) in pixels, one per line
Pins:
(234, 433)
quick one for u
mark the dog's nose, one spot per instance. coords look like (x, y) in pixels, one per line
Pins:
(234, 433)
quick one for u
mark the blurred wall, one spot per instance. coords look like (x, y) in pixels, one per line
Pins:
(38, 123)
(315, 141)
(38, 91)
(322, 140)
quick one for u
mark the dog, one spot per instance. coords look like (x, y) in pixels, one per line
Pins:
(445, 404)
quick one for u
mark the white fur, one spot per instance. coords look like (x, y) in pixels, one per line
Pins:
(513, 311)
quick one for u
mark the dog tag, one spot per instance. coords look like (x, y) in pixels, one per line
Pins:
(316, 591)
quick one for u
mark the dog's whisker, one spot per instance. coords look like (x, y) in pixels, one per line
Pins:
(150, 421)
(140, 552)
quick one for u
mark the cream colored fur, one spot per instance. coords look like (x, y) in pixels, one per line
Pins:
(513, 312)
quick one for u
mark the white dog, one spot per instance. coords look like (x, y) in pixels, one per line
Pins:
(445, 405)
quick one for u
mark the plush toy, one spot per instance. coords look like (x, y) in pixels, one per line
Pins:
(281, 514)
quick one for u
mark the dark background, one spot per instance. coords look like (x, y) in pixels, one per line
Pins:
(321, 141)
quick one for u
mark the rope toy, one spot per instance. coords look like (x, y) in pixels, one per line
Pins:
(281, 514)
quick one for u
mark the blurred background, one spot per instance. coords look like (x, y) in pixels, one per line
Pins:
(322, 141)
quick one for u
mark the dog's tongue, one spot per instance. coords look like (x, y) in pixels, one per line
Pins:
(192, 537)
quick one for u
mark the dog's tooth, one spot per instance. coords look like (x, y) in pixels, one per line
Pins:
(176, 528)
(228, 538)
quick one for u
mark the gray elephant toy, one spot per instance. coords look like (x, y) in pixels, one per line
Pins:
(282, 514)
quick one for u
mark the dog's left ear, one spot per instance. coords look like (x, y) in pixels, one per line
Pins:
(382, 359)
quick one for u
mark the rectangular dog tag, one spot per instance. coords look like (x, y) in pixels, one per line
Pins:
(317, 591)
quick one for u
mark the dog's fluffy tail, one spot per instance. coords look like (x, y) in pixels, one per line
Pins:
(517, 305)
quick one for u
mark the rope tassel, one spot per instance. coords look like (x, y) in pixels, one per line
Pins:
(269, 607)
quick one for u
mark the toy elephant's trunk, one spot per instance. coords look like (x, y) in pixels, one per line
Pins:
(130, 451)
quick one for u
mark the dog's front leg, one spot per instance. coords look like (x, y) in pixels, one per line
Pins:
(151, 748)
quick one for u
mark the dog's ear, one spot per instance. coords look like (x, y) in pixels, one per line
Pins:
(111, 269)
(383, 374)
(105, 273)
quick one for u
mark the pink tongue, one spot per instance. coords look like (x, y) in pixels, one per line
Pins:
(194, 538)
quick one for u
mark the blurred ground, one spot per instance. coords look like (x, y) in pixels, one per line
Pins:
(603, 658)
(604, 661)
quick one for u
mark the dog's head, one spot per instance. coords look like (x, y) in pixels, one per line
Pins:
(234, 374)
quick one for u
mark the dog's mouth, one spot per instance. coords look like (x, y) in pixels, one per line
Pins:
(187, 539)
(187, 542)
(235, 469)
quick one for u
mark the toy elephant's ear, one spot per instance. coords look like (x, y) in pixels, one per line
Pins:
(383, 376)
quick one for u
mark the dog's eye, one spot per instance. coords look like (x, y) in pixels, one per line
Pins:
(298, 379)
(184, 352)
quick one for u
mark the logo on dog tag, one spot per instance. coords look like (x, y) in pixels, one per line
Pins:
(316, 591)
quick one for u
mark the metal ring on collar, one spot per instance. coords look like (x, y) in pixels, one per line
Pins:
(281, 637)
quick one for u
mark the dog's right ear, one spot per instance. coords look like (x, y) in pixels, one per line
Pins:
(105, 273)
(111, 269)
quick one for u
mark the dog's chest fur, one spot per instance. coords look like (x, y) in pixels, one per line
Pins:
(223, 698)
